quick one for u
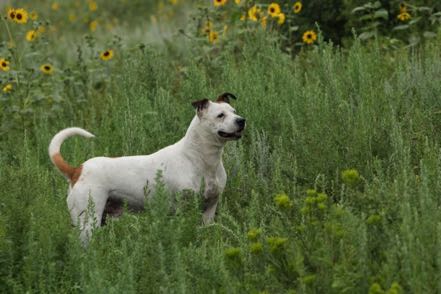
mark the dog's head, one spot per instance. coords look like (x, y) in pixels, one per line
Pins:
(220, 118)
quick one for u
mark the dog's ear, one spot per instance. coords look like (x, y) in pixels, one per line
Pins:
(225, 97)
(200, 105)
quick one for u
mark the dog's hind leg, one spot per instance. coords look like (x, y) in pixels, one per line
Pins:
(86, 206)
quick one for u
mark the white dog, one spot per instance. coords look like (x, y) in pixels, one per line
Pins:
(195, 159)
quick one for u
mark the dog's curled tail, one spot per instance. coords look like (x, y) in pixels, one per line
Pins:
(72, 173)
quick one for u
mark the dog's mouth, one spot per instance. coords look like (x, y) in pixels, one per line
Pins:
(233, 136)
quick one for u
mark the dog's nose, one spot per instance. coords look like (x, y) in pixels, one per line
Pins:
(240, 122)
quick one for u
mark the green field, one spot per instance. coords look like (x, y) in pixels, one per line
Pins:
(334, 188)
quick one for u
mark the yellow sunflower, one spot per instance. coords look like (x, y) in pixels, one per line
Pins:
(297, 7)
(207, 27)
(213, 37)
(55, 6)
(219, 2)
(254, 13)
(106, 55)
(21, 16)
(264, 21)
(31, 35)
(93, 6)
(11, 13)
(33, 15)
(93, 25)
(309, 37)
(237, 1)
(7, 88)
(4, 64)
(274, 9)
(47, 69)
(281, 18)
(403, 8)
(403, 16)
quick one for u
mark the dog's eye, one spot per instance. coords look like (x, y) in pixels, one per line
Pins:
(220, 115)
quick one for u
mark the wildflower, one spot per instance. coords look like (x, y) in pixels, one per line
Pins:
(274, 9)
(403, 7)
(93, 6)
(21, 16)
(47, 69)
(373, 219)
(4, 64)
(232, 252)
(309, 279)
(283, 201)
(281, 19)
(310, 200)
(106, 55)
(208, 27)
(322, 197)
(31, 35)
(375, 289)
(311, 192)
(72, 17)
(219, 2)
(7, 88)
(350, 177)
(256, 248)
(395, 288)
(263, 21)
(276, 243)
(55, 6)
(309, 37)
(297, 7)
(33, 15)
(322, 206)
(403, 16)
(11, 13)
(253, 234)
(93, 25)
(254, 13)
(212, 37)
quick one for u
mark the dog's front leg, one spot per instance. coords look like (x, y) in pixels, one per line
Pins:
(211, 197)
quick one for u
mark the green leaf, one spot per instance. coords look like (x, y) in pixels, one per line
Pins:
(382, 13)
(414, 21)
(400, 27)
(429, 35)
(357, 9)
(293, 28)
(366, 35)
(424, 9)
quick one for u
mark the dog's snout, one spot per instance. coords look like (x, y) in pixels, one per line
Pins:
(240, 122)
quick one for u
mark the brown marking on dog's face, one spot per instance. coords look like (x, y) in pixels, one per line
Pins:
(200, 105)
(72, 173)
(225, 98)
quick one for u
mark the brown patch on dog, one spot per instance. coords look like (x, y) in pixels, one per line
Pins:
(200, 104)
(114, 208)
(72, 173)
(225, 98)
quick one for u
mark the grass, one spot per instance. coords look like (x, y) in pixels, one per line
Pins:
(309, 119)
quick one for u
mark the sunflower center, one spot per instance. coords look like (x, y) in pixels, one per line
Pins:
(4, 64)
(19, 16)
(272, 9)
(106, 53)
(12, 15)
(47, 67)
